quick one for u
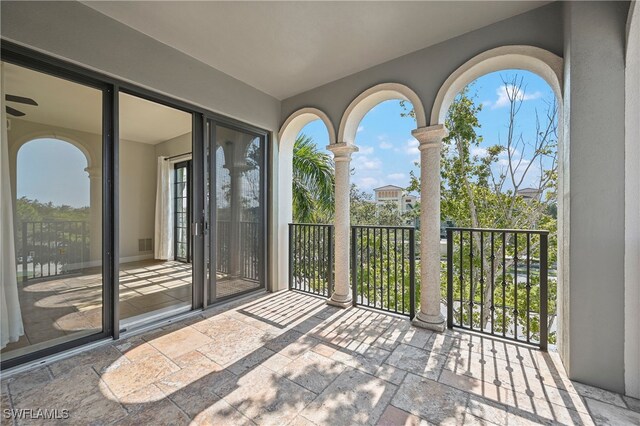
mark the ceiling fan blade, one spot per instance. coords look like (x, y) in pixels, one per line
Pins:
(20, 99)
(14, 112)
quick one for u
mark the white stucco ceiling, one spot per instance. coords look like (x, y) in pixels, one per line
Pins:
(285, 48)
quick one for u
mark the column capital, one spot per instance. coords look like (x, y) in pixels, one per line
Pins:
(342, 151)
(94, 172)
(430, 136)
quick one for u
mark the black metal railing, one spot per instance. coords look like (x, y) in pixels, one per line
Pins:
(250, 250)
(51, 248)
(383, 268)
(311, 258)
(238, 248)
(223, 249)
(497, 283)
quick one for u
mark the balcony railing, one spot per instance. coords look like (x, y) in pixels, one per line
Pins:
(383, 268)
(52, 248)
(497, 283)
(382, 264)
(247, 248)
(311, 258)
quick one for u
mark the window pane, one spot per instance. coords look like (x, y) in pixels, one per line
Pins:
(57, 187)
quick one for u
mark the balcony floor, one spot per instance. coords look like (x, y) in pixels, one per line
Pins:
(288, 358)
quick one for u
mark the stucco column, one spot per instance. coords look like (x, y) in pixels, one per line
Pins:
(430, 139)
(341, 295)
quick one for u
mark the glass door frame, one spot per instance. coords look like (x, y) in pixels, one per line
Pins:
(211, 207)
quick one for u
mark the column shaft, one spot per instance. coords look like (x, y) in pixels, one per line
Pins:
(341, 295)
(430, 315)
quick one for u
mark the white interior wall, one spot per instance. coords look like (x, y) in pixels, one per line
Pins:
(137, 198)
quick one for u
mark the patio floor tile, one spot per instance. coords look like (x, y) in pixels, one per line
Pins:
(354, 397)
(288, 359)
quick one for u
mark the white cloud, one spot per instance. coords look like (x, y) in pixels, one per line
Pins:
(479, 151)
(396, 176)
(411, 147)
(507, 90)
(385, 145)
(366, 182)
(363, 162)
(364, 150)
(360, 129)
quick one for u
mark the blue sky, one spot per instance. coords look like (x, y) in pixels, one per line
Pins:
(53, 170)
(388, 151)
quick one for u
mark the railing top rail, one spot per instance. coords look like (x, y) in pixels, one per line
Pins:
(382, 227)
(510, 231)
(312, 224)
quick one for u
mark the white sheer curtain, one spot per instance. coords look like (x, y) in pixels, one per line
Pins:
(11, 327)
(164, 211)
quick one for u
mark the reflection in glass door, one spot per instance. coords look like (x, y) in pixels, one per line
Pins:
(238, 211)
(182, 222)
(56, 296)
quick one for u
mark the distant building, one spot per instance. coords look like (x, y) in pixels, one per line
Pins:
(395, 194)
(530, 193)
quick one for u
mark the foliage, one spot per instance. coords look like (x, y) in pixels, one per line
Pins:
(34, 211)
(313, 183)
(56, 236)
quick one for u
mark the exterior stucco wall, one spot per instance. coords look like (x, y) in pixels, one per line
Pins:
(77, 33)
(426, 70)
(595, 69)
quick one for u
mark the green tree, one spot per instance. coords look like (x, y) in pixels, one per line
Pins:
(480, 189)
(313, 183)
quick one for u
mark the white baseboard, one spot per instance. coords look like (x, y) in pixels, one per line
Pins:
(136, 258)
(127, 259)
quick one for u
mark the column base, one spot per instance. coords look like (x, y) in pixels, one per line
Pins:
(339, 302)
(430, 322)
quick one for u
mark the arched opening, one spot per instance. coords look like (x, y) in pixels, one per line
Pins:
(317, 124)
(376, 206)
(385, 166)
(368, 99)
(503, 168)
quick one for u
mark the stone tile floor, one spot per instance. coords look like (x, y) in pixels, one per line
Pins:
(67, 307)
(288, 358)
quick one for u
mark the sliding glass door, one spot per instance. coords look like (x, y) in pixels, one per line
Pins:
(54, 292)
(237, 208)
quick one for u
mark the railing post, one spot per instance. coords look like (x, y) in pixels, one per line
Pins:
(330, 260)
(450, 278)
(290, 255)
(412, 273)
(544, 281)
(84, 255)
(354, 268)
